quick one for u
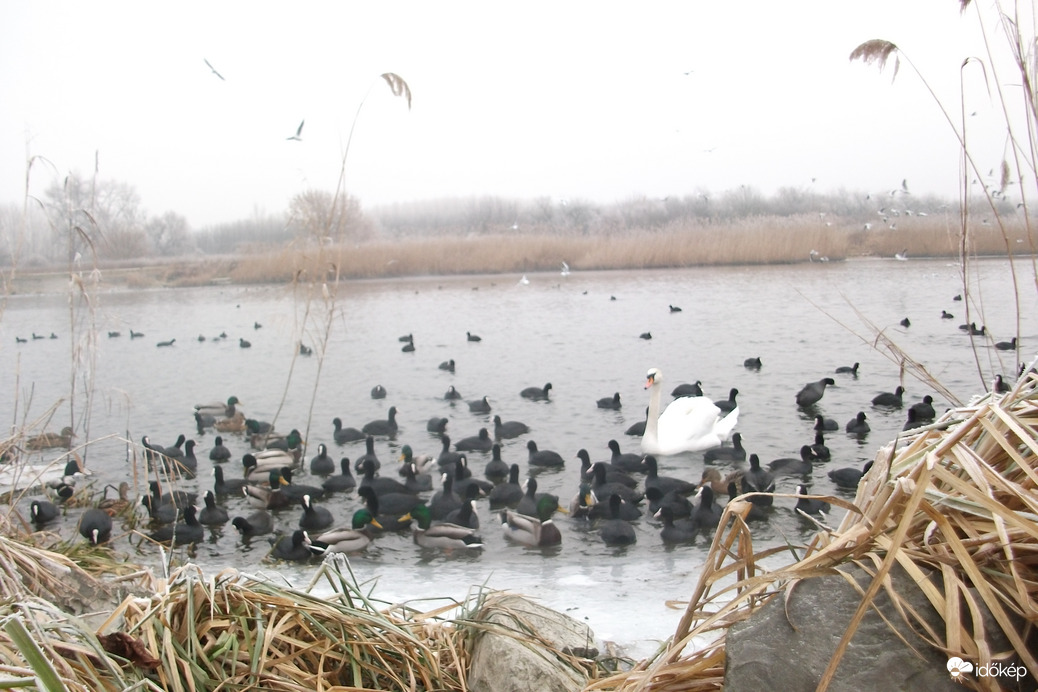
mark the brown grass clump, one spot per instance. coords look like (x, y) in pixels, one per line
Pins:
(955, 507)
(236, 632)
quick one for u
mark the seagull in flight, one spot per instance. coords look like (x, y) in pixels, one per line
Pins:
(299, 131)
(213, 69)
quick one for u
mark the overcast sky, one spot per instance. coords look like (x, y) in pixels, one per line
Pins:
(574, 100)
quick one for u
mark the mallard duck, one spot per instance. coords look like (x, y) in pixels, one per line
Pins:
(341, 482)
(266, 461)
(49, 440)
(444, 536)
(388, 521)
(422, 462)
(351, 540)
(292, 443)
(95, 526)
(235, 423)
(267, 497)
(115, 505)
(219, 410)
(343, 435)
(538, 531)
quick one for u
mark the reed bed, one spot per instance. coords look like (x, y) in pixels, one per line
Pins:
(953, 504)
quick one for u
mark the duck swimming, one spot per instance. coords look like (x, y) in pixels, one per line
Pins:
(689, 424)
(538, 531)
(445, 536)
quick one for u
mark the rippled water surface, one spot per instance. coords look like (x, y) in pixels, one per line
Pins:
(579, 332)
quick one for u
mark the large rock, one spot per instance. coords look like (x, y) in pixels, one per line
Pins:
(524, 646)
(788, 644)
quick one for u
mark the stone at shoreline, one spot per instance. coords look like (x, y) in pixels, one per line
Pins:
(524, 646)
(788, 643)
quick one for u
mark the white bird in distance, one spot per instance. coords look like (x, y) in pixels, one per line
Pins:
(213, 69)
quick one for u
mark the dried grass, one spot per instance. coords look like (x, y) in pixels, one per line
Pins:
(956, 501)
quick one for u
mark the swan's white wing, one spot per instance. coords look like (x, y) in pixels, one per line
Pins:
(688, 425)
(724, 427)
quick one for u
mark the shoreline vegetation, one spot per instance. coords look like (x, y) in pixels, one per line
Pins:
(757, 241)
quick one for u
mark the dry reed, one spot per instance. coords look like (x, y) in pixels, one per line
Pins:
(955, 502)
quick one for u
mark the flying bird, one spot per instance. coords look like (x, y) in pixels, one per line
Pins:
(210, 66)
(299, 131)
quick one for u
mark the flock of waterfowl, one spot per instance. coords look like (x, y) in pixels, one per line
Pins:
(309, 500)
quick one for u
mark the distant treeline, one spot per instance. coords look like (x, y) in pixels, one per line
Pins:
(105, 221)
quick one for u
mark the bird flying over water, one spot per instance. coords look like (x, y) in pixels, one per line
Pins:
(299, 131)
(209, 65)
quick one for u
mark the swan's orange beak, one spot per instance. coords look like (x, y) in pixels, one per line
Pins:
(649, 382)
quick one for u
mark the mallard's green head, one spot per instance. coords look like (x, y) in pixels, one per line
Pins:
(361, 519)
(547, 506)
(419, 513)
(406, 455)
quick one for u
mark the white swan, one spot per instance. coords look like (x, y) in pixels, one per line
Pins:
(689, 424)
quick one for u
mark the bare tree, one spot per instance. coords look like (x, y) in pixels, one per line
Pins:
(319, 215)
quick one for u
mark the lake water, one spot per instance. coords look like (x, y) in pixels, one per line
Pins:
(579, 332)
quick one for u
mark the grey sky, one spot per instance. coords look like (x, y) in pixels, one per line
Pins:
(593, 100)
